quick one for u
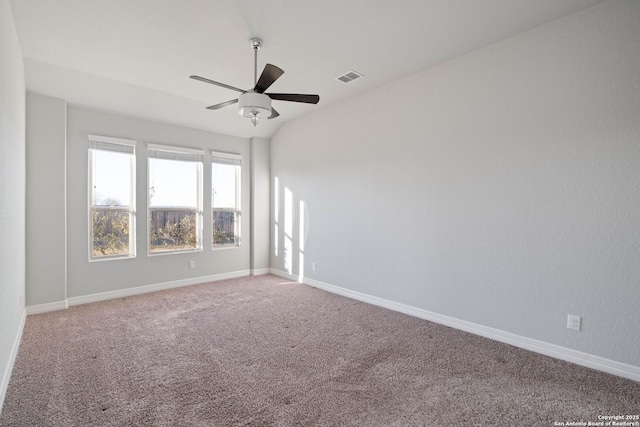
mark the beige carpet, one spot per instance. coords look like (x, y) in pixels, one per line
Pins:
(261, 351)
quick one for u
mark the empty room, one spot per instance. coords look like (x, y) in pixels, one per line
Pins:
(297, 212)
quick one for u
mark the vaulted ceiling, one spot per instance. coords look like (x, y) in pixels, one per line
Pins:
(135, 56)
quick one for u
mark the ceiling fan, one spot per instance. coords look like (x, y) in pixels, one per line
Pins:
(255, 103)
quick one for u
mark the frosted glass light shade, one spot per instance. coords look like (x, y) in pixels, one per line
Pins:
(251, 104)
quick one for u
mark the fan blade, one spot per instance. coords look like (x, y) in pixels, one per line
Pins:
(202, 79)
(274, 114)
(295, 97)
(222, 104)
(270, 74)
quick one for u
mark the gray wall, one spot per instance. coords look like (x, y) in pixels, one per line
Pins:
(12, 194)
(260, 190)
(499, 188)
(86, 277)
(57, 249)
(46, 200)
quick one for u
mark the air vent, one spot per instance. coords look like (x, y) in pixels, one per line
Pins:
(349, 77)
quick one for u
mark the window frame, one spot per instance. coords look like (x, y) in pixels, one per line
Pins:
(112, 144)
(170, 152)
(236, 160)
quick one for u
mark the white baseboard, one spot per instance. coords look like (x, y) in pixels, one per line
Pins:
(43, 308)
(285, 275)
(260, 271)
(563, 353)
(103, 296)
(6, 375)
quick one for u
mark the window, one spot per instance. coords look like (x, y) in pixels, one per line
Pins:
(175, 199)
(112, 176)
(225, 199)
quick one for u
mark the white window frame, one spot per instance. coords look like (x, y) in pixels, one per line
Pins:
(122, 145)
(168, 152)
(230, 159)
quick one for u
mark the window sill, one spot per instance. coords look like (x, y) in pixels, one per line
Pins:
(173, 252)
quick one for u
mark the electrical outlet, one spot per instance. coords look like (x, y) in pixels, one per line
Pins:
(192, 264)
(573, 322)
(314, 266)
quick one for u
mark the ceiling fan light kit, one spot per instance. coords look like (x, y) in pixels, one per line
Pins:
(254, 103)
(254, 106)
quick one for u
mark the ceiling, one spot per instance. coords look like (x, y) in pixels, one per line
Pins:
(135, 56)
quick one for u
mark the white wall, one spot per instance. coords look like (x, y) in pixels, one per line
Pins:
(12, 194)
(498, 188)
(86, 278)
(46, 200)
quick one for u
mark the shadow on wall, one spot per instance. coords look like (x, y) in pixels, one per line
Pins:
(289, 240)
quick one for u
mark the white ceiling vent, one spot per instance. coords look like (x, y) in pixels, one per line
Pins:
(349, 77)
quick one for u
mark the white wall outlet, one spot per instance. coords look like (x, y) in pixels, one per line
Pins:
(573, 322)
(314, 266)
(192, 264)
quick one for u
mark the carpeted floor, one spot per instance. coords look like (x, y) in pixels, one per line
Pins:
(262, 351)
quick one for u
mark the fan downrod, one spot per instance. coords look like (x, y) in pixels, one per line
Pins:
(255, 44)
